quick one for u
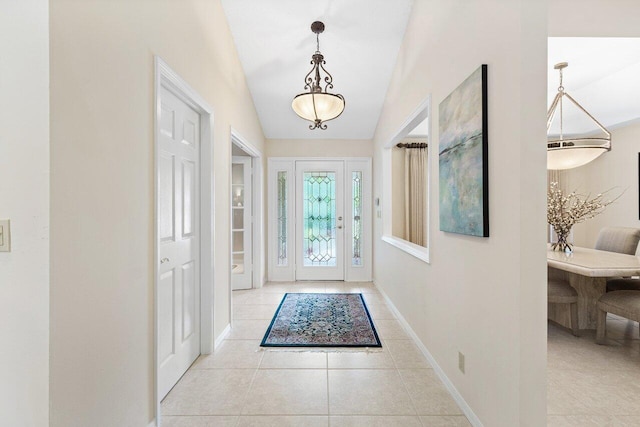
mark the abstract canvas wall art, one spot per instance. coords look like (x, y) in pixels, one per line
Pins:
(463, 162)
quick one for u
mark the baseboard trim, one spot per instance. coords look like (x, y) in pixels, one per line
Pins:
(221, 337)
(471, 416)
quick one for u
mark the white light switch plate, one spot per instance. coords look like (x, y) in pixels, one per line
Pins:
(5, 236)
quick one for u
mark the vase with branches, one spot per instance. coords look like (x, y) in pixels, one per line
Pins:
(566, 210)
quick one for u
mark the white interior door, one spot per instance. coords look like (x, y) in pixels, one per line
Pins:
(319, 220)
(179, 223)
(241, 223)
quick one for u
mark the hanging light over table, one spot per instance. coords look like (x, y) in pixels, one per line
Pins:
(318, 106)
(570, 152)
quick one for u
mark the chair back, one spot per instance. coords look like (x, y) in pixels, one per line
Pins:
(623, 240)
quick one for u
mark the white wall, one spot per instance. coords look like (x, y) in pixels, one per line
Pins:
(24, 199)
(319, 147)
(616, 170)
(102, 80)
(484, 297)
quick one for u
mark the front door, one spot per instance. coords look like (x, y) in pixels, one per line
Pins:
(319, 220)
(179, 231)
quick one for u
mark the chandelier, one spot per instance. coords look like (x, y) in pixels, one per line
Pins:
(566, 152)
(317, 105)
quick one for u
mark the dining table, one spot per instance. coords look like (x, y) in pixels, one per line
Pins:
(587, 270)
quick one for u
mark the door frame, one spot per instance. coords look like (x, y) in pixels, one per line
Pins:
(257, 202)
(166, 78)
(286, 272)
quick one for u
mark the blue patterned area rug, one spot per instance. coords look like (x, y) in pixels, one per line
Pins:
(321, 320)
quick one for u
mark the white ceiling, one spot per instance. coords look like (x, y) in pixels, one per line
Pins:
(603, 76)
(360, 45)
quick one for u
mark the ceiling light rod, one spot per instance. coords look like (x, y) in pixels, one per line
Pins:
(318, 105)
(317, 60)
(584, 149)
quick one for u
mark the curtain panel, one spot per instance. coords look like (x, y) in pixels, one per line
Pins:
(415, 161)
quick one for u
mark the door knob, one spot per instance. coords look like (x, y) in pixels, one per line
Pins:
(339, 218)
(339, 227)
(163, 260)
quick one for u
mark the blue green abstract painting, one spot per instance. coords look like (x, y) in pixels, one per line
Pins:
(462, 154)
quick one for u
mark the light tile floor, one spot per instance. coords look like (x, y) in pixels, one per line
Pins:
(242, 384)
(593, 385)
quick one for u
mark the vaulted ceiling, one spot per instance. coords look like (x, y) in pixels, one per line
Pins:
(360, 44)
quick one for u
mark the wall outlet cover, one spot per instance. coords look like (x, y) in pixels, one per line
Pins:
(5, 236)
(461, 362)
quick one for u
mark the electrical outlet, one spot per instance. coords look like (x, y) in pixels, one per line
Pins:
(5, 236)
(461, 362)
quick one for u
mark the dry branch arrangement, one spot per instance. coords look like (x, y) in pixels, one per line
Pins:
(563, 211)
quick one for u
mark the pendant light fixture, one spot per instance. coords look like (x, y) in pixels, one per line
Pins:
(568, 152)
(317, 105)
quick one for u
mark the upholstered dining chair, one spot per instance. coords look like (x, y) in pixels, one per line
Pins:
(623, 240)
(621, 303)
(561, 292)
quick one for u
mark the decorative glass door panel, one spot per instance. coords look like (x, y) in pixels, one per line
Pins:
(283, 224)
(319, 218)
(320, 225)
(356, 210)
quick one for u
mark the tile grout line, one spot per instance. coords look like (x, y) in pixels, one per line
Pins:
(328, 393)
(406, 389)
(246, 395)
